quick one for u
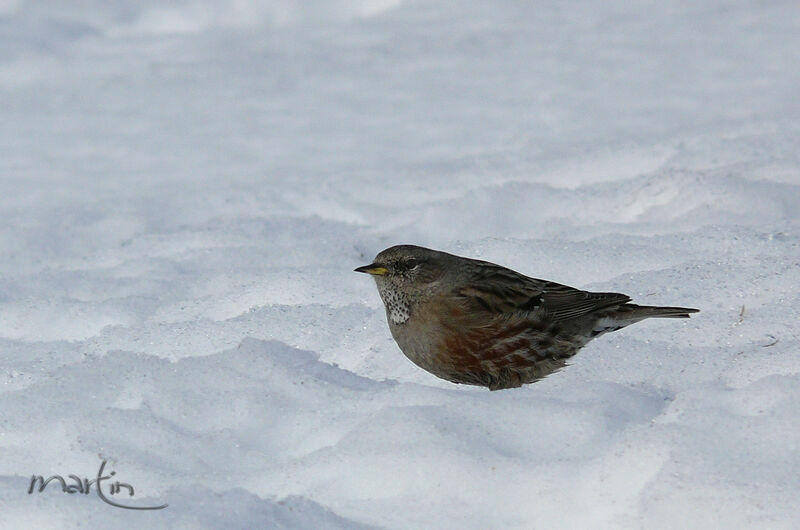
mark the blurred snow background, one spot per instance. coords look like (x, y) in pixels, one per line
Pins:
(185, 188)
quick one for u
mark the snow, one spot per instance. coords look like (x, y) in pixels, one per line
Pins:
(186, 188)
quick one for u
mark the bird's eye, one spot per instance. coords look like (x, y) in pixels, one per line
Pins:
(411, 264)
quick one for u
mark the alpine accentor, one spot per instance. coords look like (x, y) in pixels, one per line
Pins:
(477, 323)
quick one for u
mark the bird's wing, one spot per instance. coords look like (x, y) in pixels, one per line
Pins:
(493, 290)
(563, 302)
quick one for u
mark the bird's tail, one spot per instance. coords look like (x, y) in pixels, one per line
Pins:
(639, 312)
(627, 314)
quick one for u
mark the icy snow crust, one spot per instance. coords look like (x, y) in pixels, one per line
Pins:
(185, 190)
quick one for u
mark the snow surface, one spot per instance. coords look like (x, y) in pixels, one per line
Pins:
(185, 188)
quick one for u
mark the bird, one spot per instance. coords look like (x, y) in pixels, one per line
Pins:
(478, 323)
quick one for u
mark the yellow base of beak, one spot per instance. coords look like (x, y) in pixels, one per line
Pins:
(374, 269)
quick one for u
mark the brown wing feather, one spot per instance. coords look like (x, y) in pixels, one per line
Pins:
(494, 290)
(563, 303)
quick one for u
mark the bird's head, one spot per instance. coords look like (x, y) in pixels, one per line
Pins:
(406, 274)
(407, 266)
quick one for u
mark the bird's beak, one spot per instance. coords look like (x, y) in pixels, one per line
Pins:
(376, 269)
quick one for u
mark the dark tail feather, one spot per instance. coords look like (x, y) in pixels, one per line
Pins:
(627, 314)
(639, 312)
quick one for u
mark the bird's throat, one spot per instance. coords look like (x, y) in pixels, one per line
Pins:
(398, 305)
